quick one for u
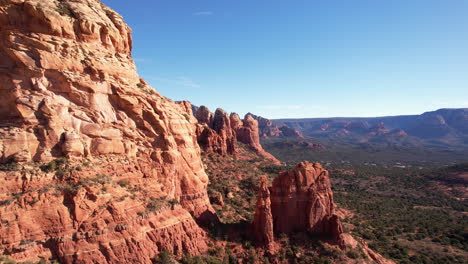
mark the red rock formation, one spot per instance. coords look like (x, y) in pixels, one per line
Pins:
(219, 133)
(263, 220)
(302, 199)
(69, 87)
(378, 129)
(249, 135)
(314, 146)
(268, 129)
(204, 116)
(214, 132)
(236, 122)
(289, 132)
(222, 126)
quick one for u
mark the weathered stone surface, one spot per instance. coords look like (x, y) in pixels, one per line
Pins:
(266, 127)
(249, 135)
(214, 132)
(219, 133)
(222, 126)
(204, 116)
(302, 199)
(69, 88)
(263, 219)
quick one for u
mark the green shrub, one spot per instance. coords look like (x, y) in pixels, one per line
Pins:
(10, 166)
(353, 254)
(164, 257)
(123, 183)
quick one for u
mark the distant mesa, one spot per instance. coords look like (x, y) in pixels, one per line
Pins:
(267, 128)
(446, 126)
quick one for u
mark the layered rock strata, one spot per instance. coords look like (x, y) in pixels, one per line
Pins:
(301, 200)
(69, 88)
(220, 132)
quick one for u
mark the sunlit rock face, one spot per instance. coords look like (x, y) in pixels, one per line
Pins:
(69, 88)
(302, 200)
(219, 133)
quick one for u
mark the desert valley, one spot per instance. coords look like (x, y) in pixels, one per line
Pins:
(96, 166)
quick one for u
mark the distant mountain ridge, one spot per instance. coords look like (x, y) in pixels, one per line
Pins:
(447, 125)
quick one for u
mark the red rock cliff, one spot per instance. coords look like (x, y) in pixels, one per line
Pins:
(249, 135)
(301, 200)
(69, 88)
(219, 133)
(214, 131)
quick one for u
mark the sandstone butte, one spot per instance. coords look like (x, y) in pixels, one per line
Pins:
(69, 88)
(220, 132)
(298, 200)
(302, 200)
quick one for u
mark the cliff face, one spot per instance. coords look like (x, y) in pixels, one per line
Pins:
(301, 200)
(69, 88)
(214, 132)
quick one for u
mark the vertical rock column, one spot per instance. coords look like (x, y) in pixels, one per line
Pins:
(263, 220)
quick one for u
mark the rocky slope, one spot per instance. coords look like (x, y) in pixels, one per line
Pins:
(133, 183)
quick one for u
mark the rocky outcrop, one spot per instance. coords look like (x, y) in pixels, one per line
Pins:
(310, 145)
(249, 135)
(220, 132)
(263, 220)
(69, 88)
(289, 132)
(204, 116)
(222, 126)
(266, 127)
(269, 129)
(214, 131)
(301, 200)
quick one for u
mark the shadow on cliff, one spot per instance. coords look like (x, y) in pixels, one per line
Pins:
(233, 232)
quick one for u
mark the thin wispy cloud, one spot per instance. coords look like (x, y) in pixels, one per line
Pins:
(142, 60)
(290, 107)
(276, 107)
(180, 81)
(203, 13)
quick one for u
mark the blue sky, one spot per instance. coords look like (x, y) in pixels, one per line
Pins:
(304, 58)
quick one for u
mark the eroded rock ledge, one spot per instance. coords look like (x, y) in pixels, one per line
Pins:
(69, 88)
